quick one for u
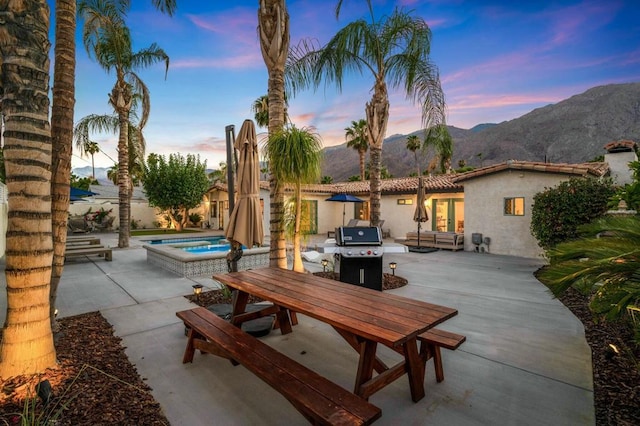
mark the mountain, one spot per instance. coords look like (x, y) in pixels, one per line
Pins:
(101, 174)
(571, 131)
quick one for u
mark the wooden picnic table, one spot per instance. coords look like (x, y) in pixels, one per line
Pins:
(363, 317)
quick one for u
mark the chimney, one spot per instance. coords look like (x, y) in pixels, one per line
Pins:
(619, 155)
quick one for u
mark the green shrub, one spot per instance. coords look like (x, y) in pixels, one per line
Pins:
(558, 212)
(195, 218)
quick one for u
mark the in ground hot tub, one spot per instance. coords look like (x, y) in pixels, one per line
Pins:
(196, 259)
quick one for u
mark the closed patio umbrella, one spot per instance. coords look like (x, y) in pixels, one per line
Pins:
(420, 215)
(245, 221)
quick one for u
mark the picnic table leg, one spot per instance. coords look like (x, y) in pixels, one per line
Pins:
(282, 319)
(415, 369)
(354, 342)
(239, 303)
(190, 350)
(365, 366)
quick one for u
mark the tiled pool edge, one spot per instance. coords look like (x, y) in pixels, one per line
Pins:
(185, 264)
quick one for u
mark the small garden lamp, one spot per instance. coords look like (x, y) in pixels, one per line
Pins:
(324, 262)
(393, 266)
(197, 289)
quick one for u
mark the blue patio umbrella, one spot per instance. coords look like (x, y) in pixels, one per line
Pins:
(344, 198)
(77, 193)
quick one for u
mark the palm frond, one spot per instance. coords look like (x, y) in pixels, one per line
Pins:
(141, 96)
(150, 56)
(93, 123)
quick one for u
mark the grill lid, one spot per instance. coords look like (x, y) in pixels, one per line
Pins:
(358, 236)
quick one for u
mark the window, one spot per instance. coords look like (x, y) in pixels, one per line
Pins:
(514, 206)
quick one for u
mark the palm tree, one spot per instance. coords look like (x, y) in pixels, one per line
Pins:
(112, 173)
(218, 175)
(27, 340)
(260, 108)
(106, 37)
(63, 101)
(94, 123)
(92, 148)
(356, 137)
(413, 144)
(62, 125)
(295, 157)
(440, 139)
(273, 26)
(395, 50)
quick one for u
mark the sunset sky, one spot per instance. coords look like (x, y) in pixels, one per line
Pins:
(498, 60)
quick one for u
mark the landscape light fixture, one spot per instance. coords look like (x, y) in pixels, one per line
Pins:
(197, 289)
(324, 262)
(393, 266)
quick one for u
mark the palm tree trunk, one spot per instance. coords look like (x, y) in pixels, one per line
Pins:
(377, 113)
(61, 137)
(124, 196)
(27, 341)
(363, 175)
(273, 21)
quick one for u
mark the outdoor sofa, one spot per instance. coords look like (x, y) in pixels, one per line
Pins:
(441, 240)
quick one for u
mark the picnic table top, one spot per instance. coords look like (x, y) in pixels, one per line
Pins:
(381, 317)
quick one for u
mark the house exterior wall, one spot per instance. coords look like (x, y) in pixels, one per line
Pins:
(399, 217)
(484, 211)
(619, 166)
(222, 198)
(329, 213)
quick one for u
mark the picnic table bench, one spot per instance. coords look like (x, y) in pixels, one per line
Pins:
(318, 399)
(85, 239)
(363, 317)
(89, 241)
(430, 343)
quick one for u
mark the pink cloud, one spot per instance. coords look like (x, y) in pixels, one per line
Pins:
(233, 26)
(249, 60)
(576, 22)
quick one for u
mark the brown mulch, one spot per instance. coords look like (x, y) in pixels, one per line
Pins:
(616, 376)
(95, 381)
(100, 386)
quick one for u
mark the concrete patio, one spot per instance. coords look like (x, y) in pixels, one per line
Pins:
(525, 361)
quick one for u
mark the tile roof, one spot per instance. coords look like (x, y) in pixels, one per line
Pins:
(621, 145)
(583, 169)
(404, 185)
(111, 191)
(444, 183)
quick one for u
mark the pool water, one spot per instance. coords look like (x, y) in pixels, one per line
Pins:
(197, 245)
(210, 240)
(211, 248)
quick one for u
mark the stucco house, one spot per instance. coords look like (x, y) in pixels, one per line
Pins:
(398, 202)
(498, 198)
(490, 205)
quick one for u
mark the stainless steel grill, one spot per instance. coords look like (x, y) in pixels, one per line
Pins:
(361, 251)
